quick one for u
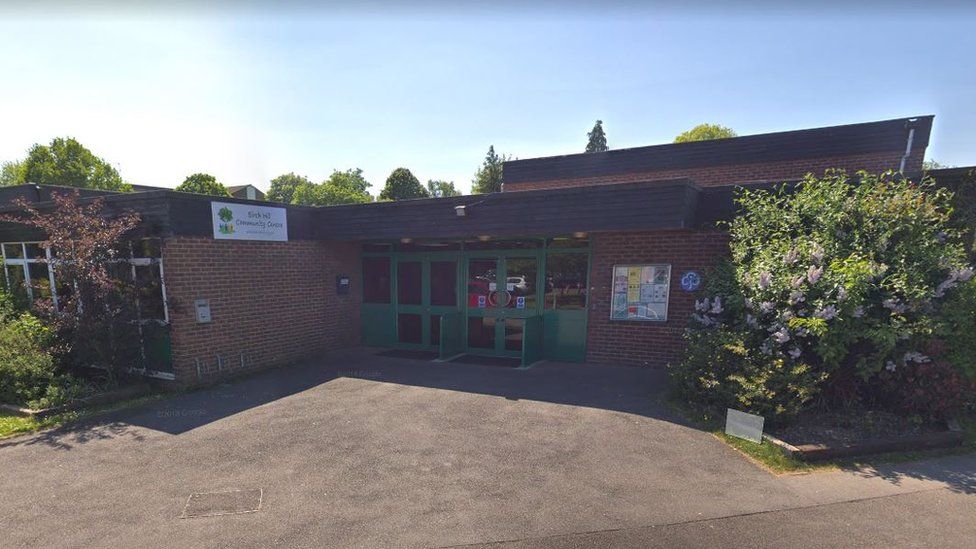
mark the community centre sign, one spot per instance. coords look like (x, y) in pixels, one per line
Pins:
(247, 222)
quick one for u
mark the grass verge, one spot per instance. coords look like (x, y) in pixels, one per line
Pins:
(12, 425)
(777, 461)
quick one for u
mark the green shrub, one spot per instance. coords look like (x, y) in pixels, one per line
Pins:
(26, 368)
(837, 280)
(957, 331)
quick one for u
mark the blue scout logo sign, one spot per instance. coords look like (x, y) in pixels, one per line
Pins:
(691, 281)
(520, 302)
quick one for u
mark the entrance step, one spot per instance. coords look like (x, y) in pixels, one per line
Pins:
(412, 354)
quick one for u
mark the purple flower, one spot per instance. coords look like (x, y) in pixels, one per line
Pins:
(841, 294)
(858, 312)
(916, 357)
(751, 321)
(795, 352)
(796, 296)
(827, 313)
(890, 366)
(817, 252)
(765, 279)
(797, 281)
(767, 307)
(716, 306)
(782, 336)
(791, 257)
(814, 274)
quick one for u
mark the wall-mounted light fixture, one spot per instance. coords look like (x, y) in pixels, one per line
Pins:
(406, 240)
(460, 210)
(579, 234)
(484, 238)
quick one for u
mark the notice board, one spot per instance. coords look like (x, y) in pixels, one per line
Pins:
(640, 292)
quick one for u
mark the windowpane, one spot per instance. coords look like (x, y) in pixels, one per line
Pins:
(567, 242)
(520, 283)
(147, 247)
(435, 330)
(13, 250)
(410, 328)
(514, 334)
(409, 283)
(15, 276)
(376, 280)
(443, 283)
(39, 281)
(35, 251)
(148, 284)
(481, 332)
(566, 281)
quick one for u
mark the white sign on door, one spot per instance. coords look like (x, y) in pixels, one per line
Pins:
(247, 222)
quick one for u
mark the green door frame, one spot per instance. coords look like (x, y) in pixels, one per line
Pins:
(462, 307)
(503, 314)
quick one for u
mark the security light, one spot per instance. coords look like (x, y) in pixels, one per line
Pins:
(460, 211)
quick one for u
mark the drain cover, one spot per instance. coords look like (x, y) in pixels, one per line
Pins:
(214, 504)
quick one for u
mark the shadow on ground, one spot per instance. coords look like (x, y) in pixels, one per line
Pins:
(622, 389)
(958, 472)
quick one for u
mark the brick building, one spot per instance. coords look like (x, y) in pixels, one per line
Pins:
(584, 257)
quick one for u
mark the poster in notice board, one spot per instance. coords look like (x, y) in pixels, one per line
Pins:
(640, 292)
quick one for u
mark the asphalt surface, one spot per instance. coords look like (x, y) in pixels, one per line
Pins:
(357, 450)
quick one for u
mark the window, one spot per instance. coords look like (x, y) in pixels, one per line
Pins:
(376, 280)
(31, 271)
(566, 280)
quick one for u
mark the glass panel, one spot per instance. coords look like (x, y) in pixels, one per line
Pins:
(443, 283)
(566, 281)
(435, 330)
(40, 283)
(482, 278)
(410, 328)
(376, 280)
(15, 274)
(514, 331)
(13, 250)
(481, 332)
(150, 292)
(147, 247)
(409, 286)
(35, 251)
(520, 284)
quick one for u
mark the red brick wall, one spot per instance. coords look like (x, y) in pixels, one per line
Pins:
(646, 343)
(272, 302)
(744, 173)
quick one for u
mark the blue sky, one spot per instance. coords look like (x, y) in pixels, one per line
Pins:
(249, 93)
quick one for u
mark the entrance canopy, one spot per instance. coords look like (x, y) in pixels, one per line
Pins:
(638, 206)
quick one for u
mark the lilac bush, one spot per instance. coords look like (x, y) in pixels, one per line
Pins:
(837, 274)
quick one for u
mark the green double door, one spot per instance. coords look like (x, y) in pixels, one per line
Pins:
(494, 292)
(501, 292)
(426, 289)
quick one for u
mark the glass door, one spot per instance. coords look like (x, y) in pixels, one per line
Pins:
(502, 290)
(426, 289)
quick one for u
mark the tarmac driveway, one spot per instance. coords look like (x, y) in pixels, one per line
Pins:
(363, 450)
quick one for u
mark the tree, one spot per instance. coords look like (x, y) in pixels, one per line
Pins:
(489, 177)
(930, 165)
(97, 315)
(283, 187)
(203, 183)
(597, 139)
(13, 173)
(705, 132)
(403, 185)
(439, 189)
(64, 162)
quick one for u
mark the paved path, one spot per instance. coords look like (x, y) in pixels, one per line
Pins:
(361, 450)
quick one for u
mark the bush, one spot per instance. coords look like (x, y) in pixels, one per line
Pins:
(931, 390)
(837, 283)
(26, 368)
(720, 371)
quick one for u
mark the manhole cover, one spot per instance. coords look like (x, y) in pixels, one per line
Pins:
(214, 504)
